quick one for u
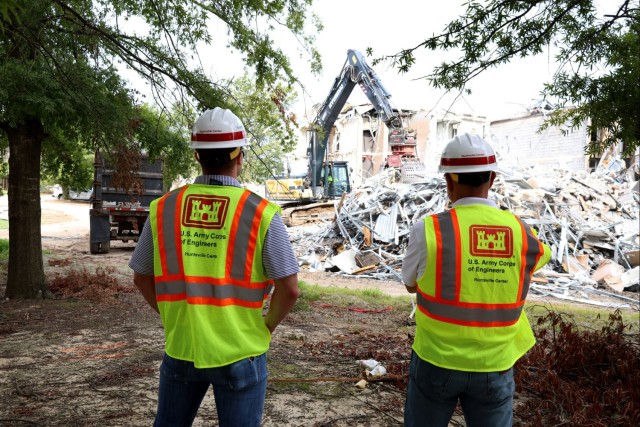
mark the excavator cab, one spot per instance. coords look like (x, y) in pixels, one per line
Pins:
(335, 179)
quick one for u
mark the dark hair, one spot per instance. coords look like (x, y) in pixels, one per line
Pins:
(215, 158)
(475, 179)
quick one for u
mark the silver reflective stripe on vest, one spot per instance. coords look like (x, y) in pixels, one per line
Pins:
(202, 290)
(243, 237)
(449, 251)
(468, 314)
(168, 220)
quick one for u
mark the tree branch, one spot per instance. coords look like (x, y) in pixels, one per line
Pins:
(123, 51)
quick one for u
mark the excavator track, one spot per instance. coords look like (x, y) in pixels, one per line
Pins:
(305, 214)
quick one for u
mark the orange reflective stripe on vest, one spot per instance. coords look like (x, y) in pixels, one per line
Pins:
(249, 209)
(445, 304)
(171, 266)
(532, 251)
(236, 287)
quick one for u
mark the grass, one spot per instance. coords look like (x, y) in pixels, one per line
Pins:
(4, 224)
(310, 293)
(584, 316)
(4, 249)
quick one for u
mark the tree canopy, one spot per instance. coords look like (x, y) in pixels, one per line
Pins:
(64, 66)
(270, 137)
(598, 55)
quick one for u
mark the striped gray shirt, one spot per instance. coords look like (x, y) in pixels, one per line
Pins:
(277, 253)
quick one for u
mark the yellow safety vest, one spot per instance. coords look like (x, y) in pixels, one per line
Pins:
(471, 296)
(209, 277)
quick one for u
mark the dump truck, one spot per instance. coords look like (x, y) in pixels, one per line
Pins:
(120, 213)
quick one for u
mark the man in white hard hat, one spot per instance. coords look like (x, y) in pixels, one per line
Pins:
(206, 261)
(470, 268)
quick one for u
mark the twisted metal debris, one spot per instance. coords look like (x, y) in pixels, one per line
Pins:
(590, 221)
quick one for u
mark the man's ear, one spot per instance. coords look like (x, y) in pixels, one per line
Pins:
(492, 178)
(448, 180)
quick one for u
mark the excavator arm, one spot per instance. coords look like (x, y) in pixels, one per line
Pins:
(356, 71)
(329, 180)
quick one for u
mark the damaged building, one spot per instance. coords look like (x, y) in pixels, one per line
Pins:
(361, 138)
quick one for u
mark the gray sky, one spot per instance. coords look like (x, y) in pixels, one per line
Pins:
(388, 27)
(391, 26)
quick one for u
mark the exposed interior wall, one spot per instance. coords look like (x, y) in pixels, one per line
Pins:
(361, 138)
(342, 143)
(380, 134)
(443, 127)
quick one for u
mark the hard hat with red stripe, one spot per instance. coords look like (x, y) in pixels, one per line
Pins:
(218, 128)
(467, 153)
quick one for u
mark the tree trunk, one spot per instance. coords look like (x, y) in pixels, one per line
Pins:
(25, 277)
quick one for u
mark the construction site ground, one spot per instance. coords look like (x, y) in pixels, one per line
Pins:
(90, 356)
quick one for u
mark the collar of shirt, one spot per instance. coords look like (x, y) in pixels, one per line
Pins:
(474, 201)
(224, 179)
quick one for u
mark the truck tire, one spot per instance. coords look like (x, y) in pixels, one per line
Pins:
(99, 247)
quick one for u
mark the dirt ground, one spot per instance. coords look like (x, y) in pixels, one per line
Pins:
(92, 358)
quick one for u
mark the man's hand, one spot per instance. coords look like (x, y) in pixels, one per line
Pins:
(285, 295)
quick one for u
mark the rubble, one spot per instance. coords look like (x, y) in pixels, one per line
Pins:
(372, 368)
(589, 220)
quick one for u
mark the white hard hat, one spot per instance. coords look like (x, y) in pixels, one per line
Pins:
(467, 153)
(218, 128)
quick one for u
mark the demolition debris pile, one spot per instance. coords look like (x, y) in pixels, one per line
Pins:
(590, 221)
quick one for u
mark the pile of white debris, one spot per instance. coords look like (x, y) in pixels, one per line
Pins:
(590, 221)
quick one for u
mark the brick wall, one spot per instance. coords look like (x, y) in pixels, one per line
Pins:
(518, 141)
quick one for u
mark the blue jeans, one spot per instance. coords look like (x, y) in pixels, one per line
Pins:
(239, 390)
(433, 392)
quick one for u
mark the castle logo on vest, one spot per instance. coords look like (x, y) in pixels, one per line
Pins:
(205, 211)
(491, 241)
